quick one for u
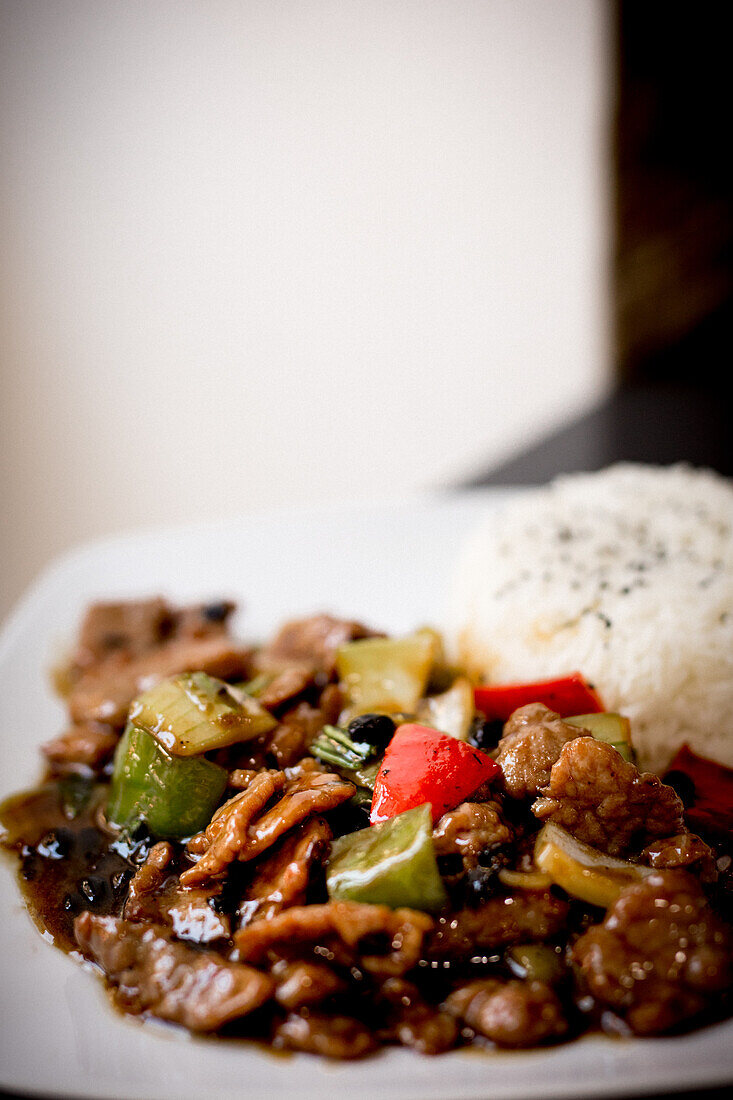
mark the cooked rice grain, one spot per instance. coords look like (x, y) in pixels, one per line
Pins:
(624, 575)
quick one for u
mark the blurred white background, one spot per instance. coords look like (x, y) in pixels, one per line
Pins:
(258, 253)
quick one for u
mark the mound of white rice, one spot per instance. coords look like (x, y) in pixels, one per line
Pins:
(626, 576)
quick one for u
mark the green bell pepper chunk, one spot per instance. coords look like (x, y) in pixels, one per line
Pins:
(174, 795)
(389, 864)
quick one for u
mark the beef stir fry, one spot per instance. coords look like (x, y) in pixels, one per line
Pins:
(335, 841)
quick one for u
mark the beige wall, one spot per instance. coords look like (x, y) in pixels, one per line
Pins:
(268, 252)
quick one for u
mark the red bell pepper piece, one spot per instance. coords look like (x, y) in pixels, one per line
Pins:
(709, 797)
(567, 696)
(421, 765)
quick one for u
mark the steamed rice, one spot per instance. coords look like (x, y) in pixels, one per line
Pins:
(626, 576)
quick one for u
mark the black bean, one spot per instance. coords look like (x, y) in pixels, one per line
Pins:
(375, 729)
(56, 844)
(95, 889)
(216, 612)
(73, 904)
(486, 735)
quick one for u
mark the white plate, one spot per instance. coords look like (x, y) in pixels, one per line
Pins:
(386, 564)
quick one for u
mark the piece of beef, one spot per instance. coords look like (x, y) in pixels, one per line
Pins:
(411, 1021)
(339, 1037)
(527, 916)
(86, 745)
(686, 851)
(131, 626)
(226, 835)
(531, 743)
(300, 725)
(471, 829)
(301, 983)
(605, 801)
(311, 643)
(236, 832)
(151, 973)
(391, 939)
(193, 914)
(281, 878)
(202, 620)
(147, 881)
(135, 627)
(156, 895)
(661, 955)
(304, 796)
(104, 692)
(512, 1013)
(241, 778)
(285, 685)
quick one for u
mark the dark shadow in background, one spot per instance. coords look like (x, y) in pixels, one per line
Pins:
(673, 253)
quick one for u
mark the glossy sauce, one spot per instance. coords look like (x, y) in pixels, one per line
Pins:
(67, 863)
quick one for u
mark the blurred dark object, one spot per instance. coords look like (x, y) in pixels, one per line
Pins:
(673, 211)
(660, 422)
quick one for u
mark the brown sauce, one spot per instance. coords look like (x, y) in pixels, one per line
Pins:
(67, 863)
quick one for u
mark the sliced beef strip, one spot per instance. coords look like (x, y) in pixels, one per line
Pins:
(147, 881)
(304, 796)
(301, 983)
(338, 1037)
(104, 692)
(132, 626)
(85, 745)
(241, 778)
(135, 627)
(281, 878)
(527, 916)
(352, 924)
(661, 955)
(286, 684)
(226, 835)
(605, 801)
(193, 915)
(151, 973)
(512, 1013)
(471, 829)
(189, 915)
(300, 725)
(312, 643)
(411, 1021)
(531, 743)
(156, 895)
(237, 832)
